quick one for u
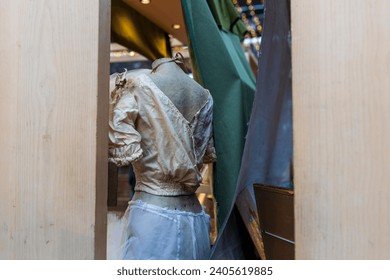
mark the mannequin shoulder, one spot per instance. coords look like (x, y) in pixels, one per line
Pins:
(129, 74)
(126, 75)
(136, 72)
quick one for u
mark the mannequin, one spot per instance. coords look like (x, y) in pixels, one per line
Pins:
(187, 95)
(160, 122)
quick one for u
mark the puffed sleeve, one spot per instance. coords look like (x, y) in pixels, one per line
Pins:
(124, 139)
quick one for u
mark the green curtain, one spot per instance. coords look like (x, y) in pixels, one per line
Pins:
(220, 65)
(227, 18)
(134, 31)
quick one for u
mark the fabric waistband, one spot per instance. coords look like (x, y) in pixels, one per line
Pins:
(189, 203)
(160, 188)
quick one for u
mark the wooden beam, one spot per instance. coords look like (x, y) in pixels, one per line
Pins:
(54, 74)
(341, 86)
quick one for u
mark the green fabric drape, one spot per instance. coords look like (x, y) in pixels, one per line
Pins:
(134, 31)
(220, 65)
(227, 18)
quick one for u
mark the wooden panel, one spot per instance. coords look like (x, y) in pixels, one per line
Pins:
(277, 249)
(341, 99)
(276, 212)
(112, 194)
(54, 75)
(276, 209)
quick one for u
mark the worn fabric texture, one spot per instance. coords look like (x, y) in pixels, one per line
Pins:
(268, 152)
(155, 233)
(147, 130)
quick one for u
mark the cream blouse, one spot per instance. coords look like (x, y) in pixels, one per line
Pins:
(147, 130)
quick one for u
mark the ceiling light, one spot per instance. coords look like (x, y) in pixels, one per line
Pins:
(145, 2)
(176, 26)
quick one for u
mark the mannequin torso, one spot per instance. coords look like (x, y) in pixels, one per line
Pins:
(161, 123)
(188, 97)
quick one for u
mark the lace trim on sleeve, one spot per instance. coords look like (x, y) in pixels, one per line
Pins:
(124, 155)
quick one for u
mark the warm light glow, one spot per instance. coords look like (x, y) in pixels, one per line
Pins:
(176, 26)
(145, 2)
(122, 53)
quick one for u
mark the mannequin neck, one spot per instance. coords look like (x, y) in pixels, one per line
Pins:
(165, 65)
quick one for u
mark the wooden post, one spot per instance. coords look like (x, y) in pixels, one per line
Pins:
(54, 72)
(341, 100)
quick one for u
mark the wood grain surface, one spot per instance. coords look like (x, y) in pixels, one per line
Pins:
(341, 101)
(54, 71)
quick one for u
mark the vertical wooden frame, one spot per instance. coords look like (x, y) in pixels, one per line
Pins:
(341, 98)
(53, 110)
